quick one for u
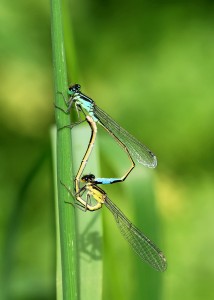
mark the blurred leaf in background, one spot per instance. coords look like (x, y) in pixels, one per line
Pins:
(27, 238)
(150, 66)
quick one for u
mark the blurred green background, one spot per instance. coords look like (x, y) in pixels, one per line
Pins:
(149, 65)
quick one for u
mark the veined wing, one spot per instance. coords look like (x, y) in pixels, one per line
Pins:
(139, 242)
(137, 150)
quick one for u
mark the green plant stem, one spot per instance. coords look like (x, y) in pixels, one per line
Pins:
(66, 214)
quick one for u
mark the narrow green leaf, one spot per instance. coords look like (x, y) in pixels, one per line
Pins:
(67, 227)
(90, 234)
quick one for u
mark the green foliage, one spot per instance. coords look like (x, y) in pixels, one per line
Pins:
(67, 274)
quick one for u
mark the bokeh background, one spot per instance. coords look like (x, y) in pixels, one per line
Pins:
(150, 65)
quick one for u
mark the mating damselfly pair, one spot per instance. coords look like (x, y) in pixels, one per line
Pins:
(136, 151)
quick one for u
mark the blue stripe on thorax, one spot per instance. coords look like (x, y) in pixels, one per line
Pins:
(87, 104)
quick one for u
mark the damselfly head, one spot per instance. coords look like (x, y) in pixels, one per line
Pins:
(74, 89)
(88, 178)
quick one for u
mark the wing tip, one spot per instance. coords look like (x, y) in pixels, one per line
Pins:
(155, 162)
(152, 164)
(163, 266)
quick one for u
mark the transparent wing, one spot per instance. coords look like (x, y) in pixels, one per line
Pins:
(139, 242)
(137, 150)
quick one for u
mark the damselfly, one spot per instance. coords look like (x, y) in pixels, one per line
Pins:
(135, 149)
(140, 243)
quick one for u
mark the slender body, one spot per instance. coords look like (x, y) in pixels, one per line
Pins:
(86, 156)
(135, 150)
(142, 245)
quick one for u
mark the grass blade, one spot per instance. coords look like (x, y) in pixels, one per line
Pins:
(67, 222)
(89, 225)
